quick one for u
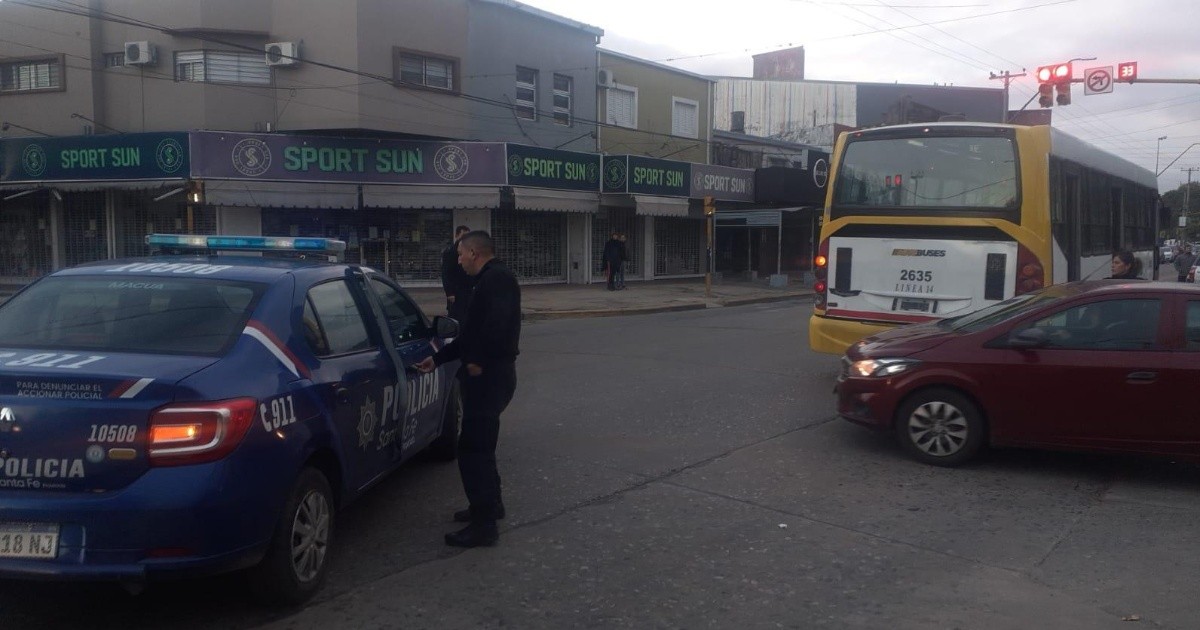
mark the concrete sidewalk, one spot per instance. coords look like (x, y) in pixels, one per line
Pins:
(559, 300)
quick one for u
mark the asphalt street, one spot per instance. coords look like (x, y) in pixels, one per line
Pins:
(685, 470)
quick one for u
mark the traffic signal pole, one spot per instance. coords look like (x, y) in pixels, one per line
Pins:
(1008, 77)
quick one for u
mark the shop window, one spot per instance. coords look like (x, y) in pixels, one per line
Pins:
(85, 233)
(31, 75)
(532, 244)
(527, 93)
(219, 66)
(563, 96)
(25, 239)
(685, 117)
(621, 106)
(423, 69)
(611, 220)
(678, 244)
(137, 215)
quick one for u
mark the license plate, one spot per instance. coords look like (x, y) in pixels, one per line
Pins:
(28, 540)
(914, 305)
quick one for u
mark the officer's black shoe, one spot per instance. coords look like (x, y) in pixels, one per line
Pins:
(474, 535)
(464, 516)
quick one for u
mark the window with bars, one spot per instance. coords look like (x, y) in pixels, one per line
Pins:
(114, 59)
(25, 252)
(136, 215)
(31, 75)
(685, 117)
(414, 68)
(621, 106)
(678, 246)
(527, 88)
(216, 66)
(85, 230)
(563, 95)
(532, 244)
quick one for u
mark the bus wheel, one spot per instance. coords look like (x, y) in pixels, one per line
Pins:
(940, 426)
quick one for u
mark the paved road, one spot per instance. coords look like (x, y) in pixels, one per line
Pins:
(684, 470)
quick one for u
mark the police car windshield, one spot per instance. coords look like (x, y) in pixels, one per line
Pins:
(129, 314)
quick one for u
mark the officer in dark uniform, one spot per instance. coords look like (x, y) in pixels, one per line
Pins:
(487, 346)
(455, 282)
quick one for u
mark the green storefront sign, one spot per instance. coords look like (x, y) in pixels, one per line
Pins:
(551, 168)
(112, 157)
(648, 176)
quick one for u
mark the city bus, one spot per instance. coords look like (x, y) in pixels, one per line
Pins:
(929, 221)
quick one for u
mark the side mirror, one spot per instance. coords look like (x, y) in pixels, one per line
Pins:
(445, 327)
(1029, 338)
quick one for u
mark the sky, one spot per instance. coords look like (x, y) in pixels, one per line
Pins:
(958, 42)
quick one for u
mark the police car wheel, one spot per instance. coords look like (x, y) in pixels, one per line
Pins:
(445, 447)
(296, 561)
(940, 426)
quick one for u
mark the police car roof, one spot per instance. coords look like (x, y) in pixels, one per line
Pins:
(242, 268)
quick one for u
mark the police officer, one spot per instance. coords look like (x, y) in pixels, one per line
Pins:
(455, 282)
(487, 347)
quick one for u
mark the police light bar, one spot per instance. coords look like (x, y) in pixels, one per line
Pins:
(247, 243)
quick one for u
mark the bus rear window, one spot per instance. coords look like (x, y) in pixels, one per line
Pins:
(929, 173)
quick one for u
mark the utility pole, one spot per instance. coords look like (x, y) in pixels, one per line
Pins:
(1007, 77)
(1186, 197)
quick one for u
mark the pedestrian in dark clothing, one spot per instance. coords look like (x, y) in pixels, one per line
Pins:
(456, 282)
(624, 257)
(487, 345)
(614, 257)
(1183, 263)
(1125, 266)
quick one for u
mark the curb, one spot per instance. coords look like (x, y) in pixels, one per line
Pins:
(543, 315)
(763, 299)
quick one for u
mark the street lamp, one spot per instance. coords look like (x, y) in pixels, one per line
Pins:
(1157, 151)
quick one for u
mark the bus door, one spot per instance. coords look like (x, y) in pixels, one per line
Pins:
(906, 280)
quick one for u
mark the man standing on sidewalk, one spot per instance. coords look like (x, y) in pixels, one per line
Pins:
(487, 346)
(455, 282)
(614, 256)
(1183, 263)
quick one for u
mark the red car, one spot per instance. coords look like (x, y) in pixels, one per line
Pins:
(1104, 365)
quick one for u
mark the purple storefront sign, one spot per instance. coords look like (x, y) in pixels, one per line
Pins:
(722, 182)
(282, 157)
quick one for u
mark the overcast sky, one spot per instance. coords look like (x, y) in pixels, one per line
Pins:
(945, 41)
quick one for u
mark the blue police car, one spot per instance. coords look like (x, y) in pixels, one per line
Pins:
(184, 415)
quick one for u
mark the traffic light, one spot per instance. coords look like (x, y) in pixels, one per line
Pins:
(1046, 95)
(1051, 78)
(1064, 93)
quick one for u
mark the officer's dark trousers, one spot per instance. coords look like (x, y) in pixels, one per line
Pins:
(484, 398)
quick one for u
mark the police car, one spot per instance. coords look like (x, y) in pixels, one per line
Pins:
(194, 414)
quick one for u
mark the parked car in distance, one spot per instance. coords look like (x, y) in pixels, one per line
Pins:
(1102, 365)
(1167, 253)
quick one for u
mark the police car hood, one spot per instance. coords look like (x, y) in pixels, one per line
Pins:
(79, 421)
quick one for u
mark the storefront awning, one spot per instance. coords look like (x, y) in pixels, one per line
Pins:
(651, 206)
(440, 197)
(554, 200)
(280, 194)
(749, 218)
(86, 186)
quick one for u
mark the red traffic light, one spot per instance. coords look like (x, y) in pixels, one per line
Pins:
(1056, 73)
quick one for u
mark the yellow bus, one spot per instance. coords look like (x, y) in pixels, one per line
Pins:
(930, 221)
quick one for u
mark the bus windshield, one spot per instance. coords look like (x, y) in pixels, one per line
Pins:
(929, 172)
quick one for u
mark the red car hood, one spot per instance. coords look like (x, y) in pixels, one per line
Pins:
(903, 341)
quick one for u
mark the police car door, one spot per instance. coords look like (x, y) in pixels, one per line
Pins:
(414, 339)
(358, 374)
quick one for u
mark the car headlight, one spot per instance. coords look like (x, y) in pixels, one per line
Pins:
(881, 367)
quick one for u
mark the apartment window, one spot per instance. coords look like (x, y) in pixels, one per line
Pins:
(218, 66)
(621, 106)
(564, 87)
(527, 93)
(685, 117)
(31, 75)
(114, 60)
(414, 68)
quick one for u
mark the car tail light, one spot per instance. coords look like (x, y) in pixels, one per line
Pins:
(1031, 276)
(194, 433)
(821, 273)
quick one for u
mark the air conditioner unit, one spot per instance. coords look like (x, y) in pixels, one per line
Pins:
(140, 54)
(283, 53)
(604, 78)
